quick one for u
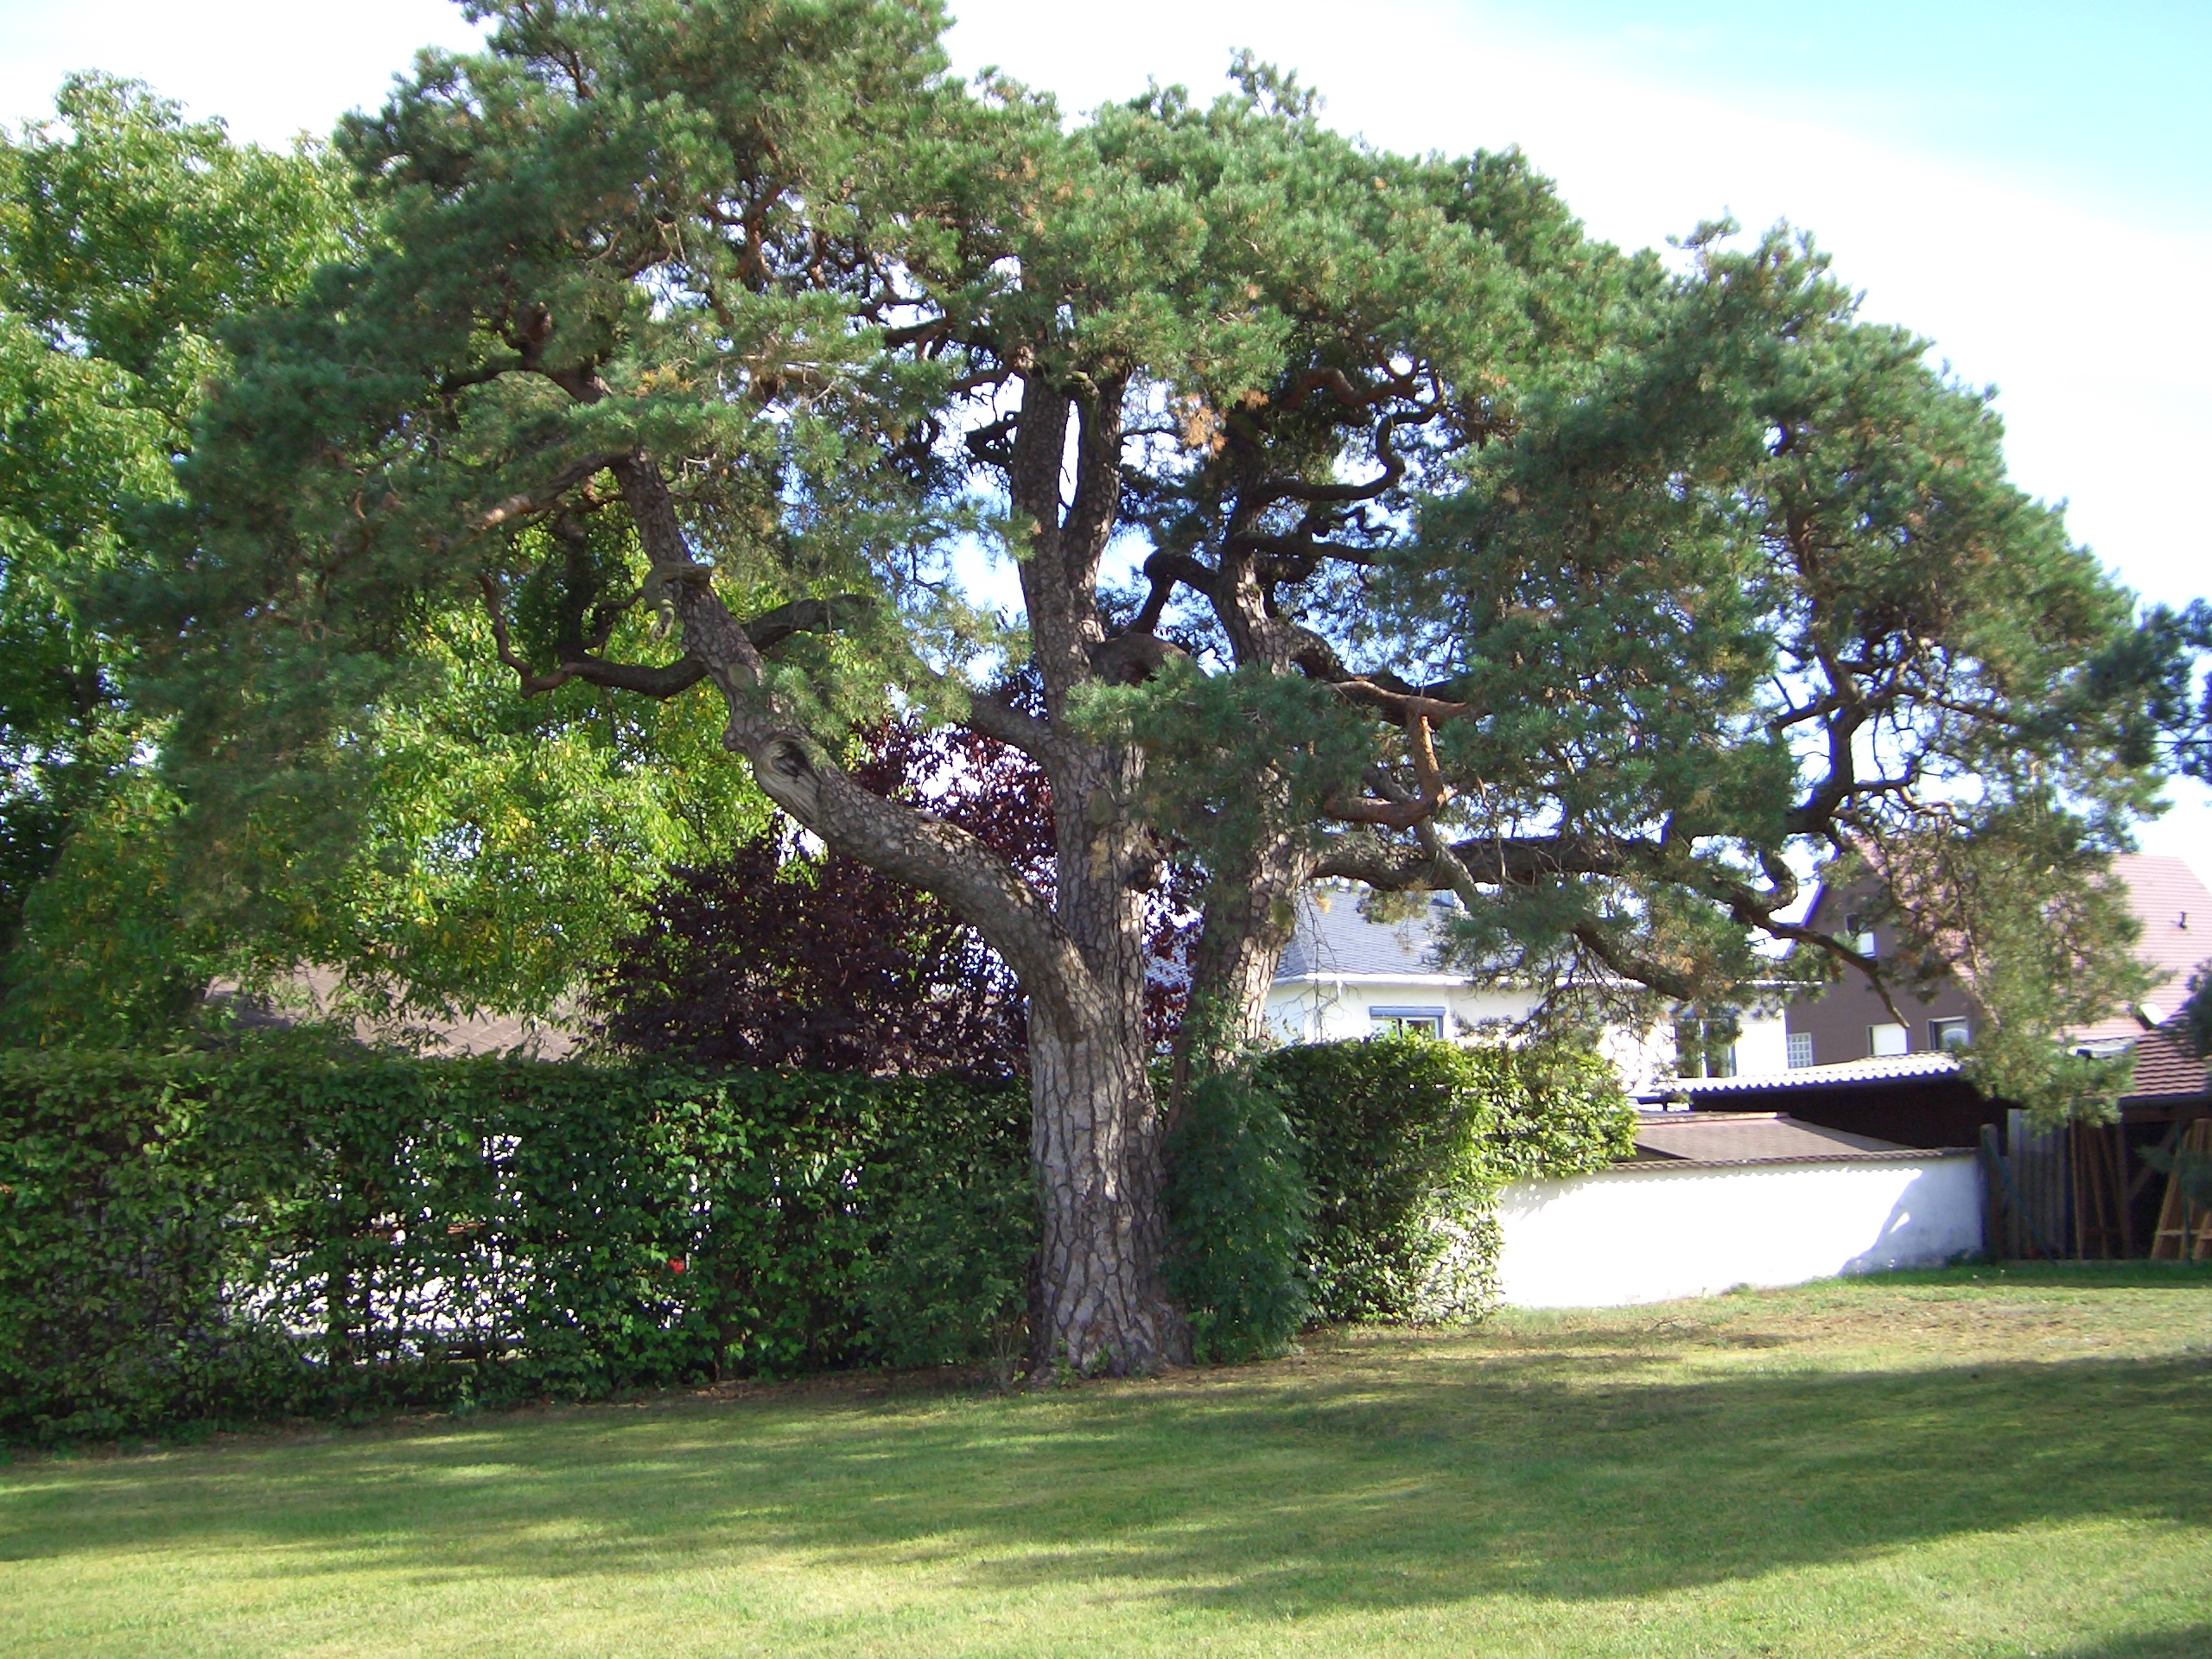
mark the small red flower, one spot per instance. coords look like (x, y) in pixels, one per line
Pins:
(676, 1264)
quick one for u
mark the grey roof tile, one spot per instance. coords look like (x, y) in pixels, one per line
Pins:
(1331, 936)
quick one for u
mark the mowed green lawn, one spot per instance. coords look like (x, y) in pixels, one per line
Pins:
(1976, 1462)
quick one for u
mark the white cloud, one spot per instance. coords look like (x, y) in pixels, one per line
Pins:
(271, 68)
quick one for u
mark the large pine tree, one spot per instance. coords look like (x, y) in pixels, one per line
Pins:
(699, 339)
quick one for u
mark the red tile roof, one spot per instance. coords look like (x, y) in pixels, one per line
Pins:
(2174, 908)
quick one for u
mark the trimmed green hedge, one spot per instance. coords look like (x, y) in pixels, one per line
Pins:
(291, 1230)
(1240, 1217)
(281, 1232)
(1407, 1142)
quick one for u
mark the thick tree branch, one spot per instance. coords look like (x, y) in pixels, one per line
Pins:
(771, 628)
(1133, 657)
(996, 717)
(1285, 488)
(532, 503)
(1164, 571)
(1869, 967)
(1092, 509)
(659, 683)
(1434, 793)
(1306, 550)
(795, 771)
(1640, 970)
(766, 632)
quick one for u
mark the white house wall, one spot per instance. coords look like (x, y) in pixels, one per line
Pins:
(1646, 1235)
(1762, 1045)
(1336, 1010)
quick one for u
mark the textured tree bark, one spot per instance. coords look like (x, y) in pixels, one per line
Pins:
(1249, 917)
(1098, 1303)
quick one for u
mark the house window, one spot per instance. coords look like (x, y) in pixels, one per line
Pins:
(1947, 1034)
(1861, 934)
(1801, 1050)
(1404, 1022)
(1705, 1043)
(1885, 1042)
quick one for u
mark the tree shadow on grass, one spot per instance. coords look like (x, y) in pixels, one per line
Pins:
(2068, 1275)
(1563, 1474)
(2192, 1644)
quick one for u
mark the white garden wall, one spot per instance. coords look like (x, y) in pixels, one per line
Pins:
(1650, 1233)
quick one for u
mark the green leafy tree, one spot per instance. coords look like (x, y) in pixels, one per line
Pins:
(1751, 589)
(127, 235)
(490, 842)
(696, 340)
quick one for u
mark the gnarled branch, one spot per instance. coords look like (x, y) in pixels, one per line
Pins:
(1434, 793)
(766, 632)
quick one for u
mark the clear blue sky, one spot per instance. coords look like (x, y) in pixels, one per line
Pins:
(2030, 184)
(2101, 101)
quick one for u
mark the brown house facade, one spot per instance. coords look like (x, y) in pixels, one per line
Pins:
(1857, 1068)
(1848, 1021)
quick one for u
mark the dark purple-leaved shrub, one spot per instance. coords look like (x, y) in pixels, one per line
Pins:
(783, 956)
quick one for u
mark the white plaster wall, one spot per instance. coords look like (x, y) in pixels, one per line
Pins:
(1622, 1236)
(1335, 1010)
(1641, 1057)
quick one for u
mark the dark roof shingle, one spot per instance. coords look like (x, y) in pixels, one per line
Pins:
(1747, 1137)
(2167, 1065)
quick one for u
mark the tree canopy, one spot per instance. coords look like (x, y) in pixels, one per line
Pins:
(128, 238)
(489, 845)
(1369, 520)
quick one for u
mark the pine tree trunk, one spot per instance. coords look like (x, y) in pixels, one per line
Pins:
(1098, 1303)
(1250, 913)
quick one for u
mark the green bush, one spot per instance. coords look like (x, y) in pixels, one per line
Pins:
(947, 1284)
(1240, 1214)
(1407, 1141)
(1556, 1111)
(284, 1230)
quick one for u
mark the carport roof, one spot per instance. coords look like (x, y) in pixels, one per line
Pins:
(1895, 1068)
(1717, 1139)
